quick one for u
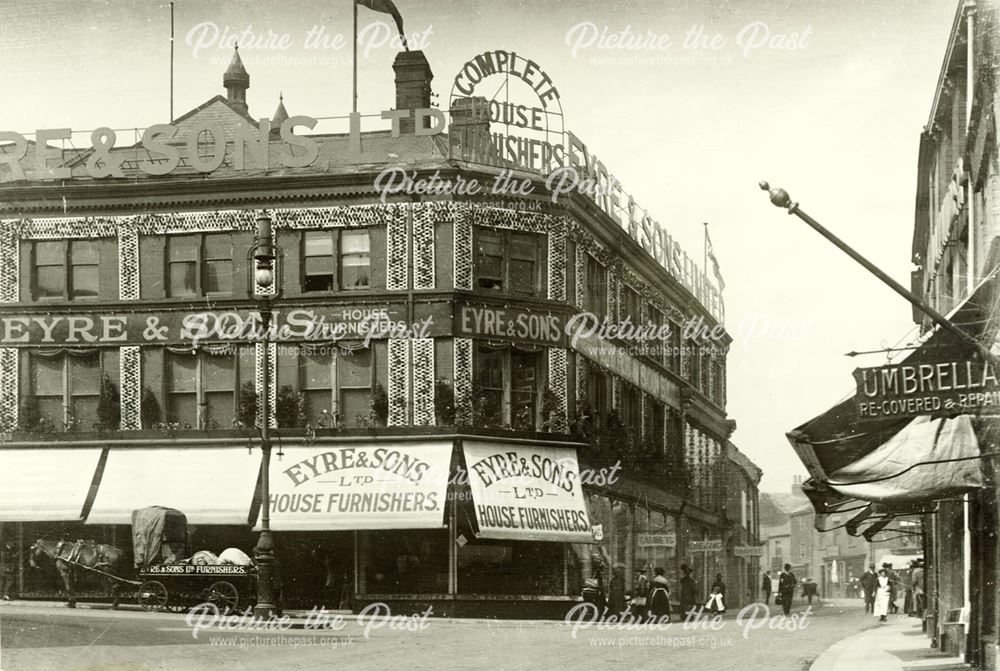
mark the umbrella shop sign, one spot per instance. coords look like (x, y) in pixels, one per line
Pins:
(912, 389)
(526, 492)
(325, 325)
(365, 486)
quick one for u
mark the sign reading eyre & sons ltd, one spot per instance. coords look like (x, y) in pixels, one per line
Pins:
(908, 390)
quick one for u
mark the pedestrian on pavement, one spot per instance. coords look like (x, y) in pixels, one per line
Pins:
(766, 587)
(810, 590)
(882, 595)
(786, 588)
(869, 582)
(8, 568)
(659, 596)
(908, 586)
(640, 594)
(716, 602)
(687, 585)
(893, 585)
(616, 591)
(917, 579)
(720, 584)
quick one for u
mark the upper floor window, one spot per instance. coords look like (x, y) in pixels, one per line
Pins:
(206, 144)
(507, 381)
(632, 408)
(654, 429)
(336, 260)
(631, 306)
(203, 386)
(200, 264)
(337, 386)
(508, 261)
(66, 269)
(596, 300)
(65, 389)
(597, 394)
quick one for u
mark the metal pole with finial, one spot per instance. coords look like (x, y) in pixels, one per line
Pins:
(354, 59)
(780, 198)
(171, 62)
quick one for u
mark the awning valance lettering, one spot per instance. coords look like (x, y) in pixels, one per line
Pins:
(210, 485)
(360, 486)
(527, 492)
(46, 485)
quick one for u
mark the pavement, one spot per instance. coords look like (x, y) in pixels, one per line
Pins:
(898, 645)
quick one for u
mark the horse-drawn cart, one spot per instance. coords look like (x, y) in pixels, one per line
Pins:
(165, 577)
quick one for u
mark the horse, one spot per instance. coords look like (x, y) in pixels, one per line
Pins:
(68, 556)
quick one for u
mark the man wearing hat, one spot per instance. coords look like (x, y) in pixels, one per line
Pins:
(869, 581)
(616, 591)
(8, 568)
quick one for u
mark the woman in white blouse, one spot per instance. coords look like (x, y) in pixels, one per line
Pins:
(882, 591)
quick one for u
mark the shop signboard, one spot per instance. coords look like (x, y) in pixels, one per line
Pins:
(912, 389)
(527, 492)
(398, 485)
(749, 551)
(540, 327)
(704, 546)
(661, 540)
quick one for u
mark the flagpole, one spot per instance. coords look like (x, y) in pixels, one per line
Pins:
(354, 58)
(171, 62)
(704, 260)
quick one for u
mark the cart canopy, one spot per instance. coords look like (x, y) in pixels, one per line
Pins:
(159, 535)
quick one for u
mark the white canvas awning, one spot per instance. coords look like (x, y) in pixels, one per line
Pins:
(210, 485)
(45, 484)
(360, 486)
(527, 492)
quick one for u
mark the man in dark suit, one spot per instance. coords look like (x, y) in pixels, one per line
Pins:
(765, 585)
(869, 581)
(786, 588)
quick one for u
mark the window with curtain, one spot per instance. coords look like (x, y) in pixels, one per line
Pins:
(596, 300)
(598, 393)
(355, 259)
(508, 382)
(200, 264)
(318, 263)
(66, 387)
(631, 307)
(202, 386)
(508, 261)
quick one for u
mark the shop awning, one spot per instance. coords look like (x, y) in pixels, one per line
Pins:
(46, 485)
(210, 485)
(853, 460)
(360, 486)
(527, 492)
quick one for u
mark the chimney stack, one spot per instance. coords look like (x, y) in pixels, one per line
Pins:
(469, 130)
(413, 85)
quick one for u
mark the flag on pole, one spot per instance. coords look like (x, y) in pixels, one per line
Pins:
(385, 7)
(710, 255)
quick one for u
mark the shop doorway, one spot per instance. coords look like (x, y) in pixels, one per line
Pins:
(315, 569)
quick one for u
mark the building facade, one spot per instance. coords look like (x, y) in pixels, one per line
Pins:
(419, 360)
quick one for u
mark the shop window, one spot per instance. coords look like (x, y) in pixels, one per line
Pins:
(200, 264)
(508, 261)
(66, 387)
(355, 260)
(511, 567)
(596, 301)
(202, 386)
(404, 561)
(337, 386)
(507, 383)
(66, 269)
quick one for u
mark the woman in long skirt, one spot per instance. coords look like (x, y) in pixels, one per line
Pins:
(882, 595)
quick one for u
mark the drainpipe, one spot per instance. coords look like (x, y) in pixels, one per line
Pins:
(970, 90)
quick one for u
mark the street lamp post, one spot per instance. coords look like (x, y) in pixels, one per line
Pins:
(263, 264)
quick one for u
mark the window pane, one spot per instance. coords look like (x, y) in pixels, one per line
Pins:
(219, 410)
(316, 371)
(319, 243)
(47, 376)
(183, 409)
(354, 242)
(355, 368)
(522, 276)
(84, 282)
(355, 273)
(85, 252)
(84, 412)
(48, 253)
(219, 277)
(182, 279)
(354, 403)
(84, 375)
(489, 368)
(219, 246)
(50, 281)
(318, 283)
(50, 408)
(319, 265)
(181, 371)
(316, 402)
(219, 372)
(524, 246)
(183, 247)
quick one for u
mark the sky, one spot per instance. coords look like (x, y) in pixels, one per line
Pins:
(825, 99)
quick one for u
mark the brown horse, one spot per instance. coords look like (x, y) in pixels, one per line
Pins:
(72, 555)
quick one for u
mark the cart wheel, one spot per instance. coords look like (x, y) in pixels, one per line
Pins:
(152, 596)
(224, 595)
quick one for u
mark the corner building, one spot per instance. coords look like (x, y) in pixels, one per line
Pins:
(391, 454)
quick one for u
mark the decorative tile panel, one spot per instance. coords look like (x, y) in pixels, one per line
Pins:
(130, 387)
(10, 263)
(8, 388)
(423, 381)
(463, 381)
(397, 268)
(462, 236)
(425, 216)
(559, 384)
(272, 368)
(399, 381)
(128, 263)
(557, 263)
